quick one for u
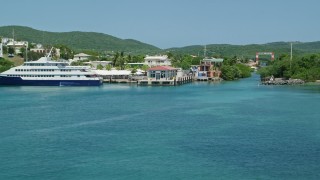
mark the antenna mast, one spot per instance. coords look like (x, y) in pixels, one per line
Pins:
(290, 55)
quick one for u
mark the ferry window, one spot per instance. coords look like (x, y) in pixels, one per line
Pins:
(78, 75)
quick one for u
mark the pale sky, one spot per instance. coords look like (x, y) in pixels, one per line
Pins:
(173, 23)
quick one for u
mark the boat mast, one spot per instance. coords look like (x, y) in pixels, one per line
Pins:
(50, 52)
(27, 51)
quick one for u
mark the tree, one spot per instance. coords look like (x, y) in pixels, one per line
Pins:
(115, 59)
(229, 73)
(134, 70)
(65, 51)
(108, 67)
(5, 65)
(127, 66)
(306, 68)
(120, 62)
(10, 50)
(138, 59)
(129, 58)
(145, 68)
(245, 71)
(34, 55)
(5, 49)
(22, 52)
(99, 67)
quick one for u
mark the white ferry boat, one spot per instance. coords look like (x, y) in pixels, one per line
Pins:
(45, 72)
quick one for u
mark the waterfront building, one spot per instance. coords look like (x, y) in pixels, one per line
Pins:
(113, 74)
(165, 76)
(209, 68)
(152, 61)
(162, 72)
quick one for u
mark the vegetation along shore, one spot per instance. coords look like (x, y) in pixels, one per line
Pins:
(238, 60)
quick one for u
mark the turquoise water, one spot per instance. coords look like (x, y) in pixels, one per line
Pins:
(231, 130)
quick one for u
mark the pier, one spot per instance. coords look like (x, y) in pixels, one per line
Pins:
(119, 81)
(166, 82)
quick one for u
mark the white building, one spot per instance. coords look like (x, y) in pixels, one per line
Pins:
(80, 57)
(39, 49)
(94, 64)
(5, 40)
(157, 61)
(17, 45)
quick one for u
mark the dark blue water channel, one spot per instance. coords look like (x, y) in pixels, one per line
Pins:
(229, 130)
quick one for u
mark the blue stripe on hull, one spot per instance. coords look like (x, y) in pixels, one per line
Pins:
(17, 81)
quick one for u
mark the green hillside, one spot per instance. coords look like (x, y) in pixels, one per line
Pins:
(249, 51)
(102, 42)
(77, 40)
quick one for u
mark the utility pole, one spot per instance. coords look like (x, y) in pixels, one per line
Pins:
(290, 55)
(1, 52)
(27, 51)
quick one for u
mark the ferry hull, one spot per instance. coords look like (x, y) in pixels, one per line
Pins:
(17, 81)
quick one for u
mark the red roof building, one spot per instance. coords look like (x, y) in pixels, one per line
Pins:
(162, 72)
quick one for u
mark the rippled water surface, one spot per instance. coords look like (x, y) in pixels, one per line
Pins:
(230, 130)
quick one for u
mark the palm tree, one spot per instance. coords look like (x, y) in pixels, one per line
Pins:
(108, 67)
(115, 59)
(145, 69)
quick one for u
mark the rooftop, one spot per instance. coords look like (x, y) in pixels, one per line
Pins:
(164, 57)
(212, 60)
(82, 55)
(162, 68)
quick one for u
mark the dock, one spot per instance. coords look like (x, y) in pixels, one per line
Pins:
(166, 82)
(119, 81)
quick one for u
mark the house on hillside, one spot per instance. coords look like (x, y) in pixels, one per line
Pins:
(157, 61)
(40, 49)
(17, 45)
(81, 56)
(5, 40)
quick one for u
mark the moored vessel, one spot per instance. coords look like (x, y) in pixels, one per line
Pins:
(46, 72)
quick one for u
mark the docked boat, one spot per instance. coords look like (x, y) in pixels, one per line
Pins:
(46, 72)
